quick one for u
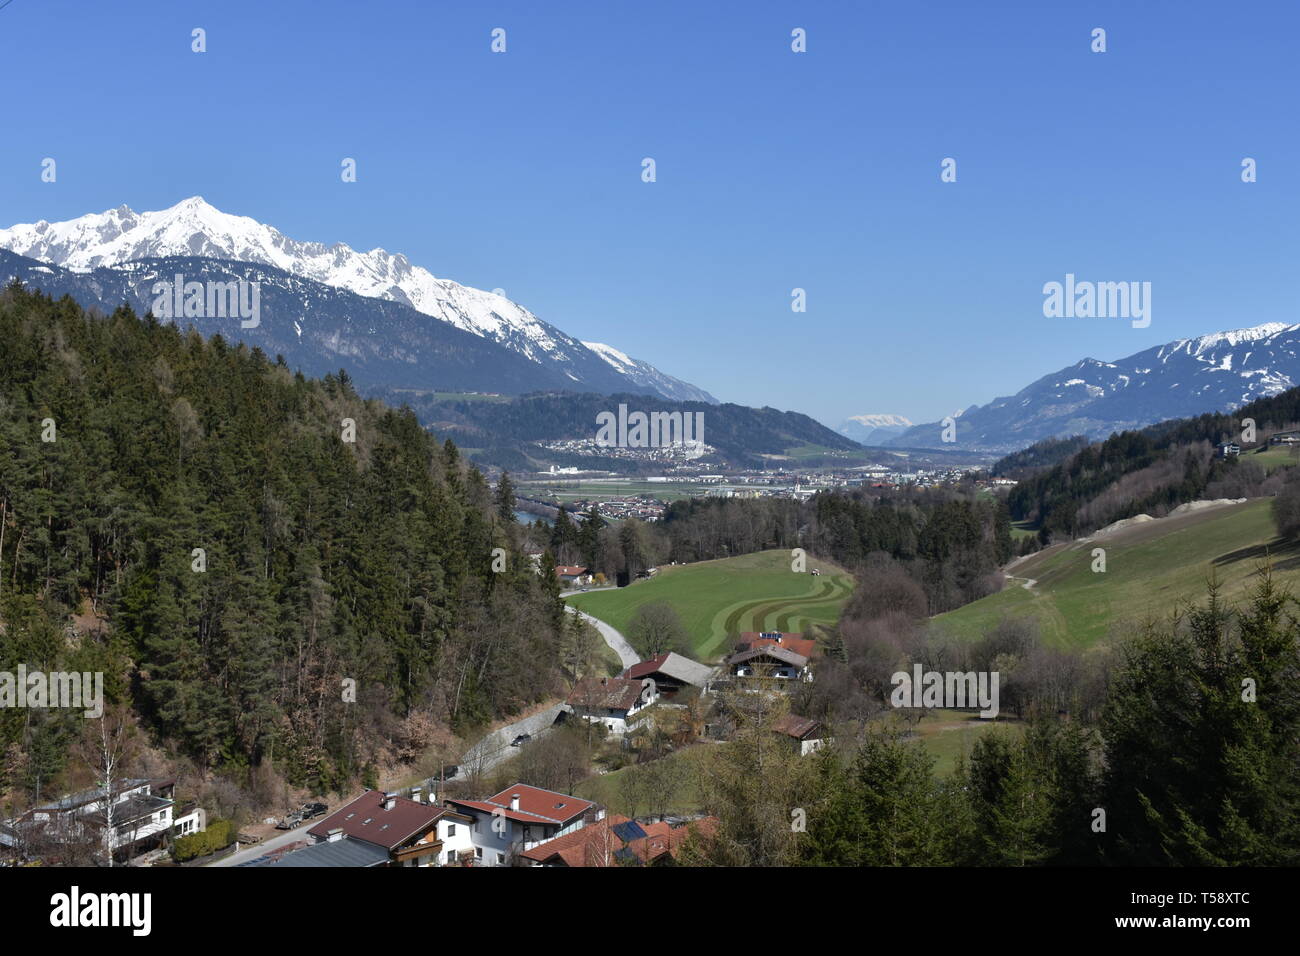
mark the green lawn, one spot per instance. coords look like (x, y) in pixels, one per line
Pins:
(716, 599)
(1150, 568)
(1279, 456)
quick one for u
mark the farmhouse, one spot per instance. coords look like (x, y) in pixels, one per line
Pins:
(611, 700)
(520, 817)
(1284, 438)
(671, 672)
(769, 663)
(751, 640)
(1229, 449)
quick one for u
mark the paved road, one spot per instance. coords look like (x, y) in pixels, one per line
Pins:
(613, 638)
(496, 746)
(260, 849)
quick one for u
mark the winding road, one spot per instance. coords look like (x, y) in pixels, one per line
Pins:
(616, 641)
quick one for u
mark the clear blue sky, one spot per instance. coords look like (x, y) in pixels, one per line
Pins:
(775, 170)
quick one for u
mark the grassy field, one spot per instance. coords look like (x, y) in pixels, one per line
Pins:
(1150, 568)
(1279, 456)
(608, 789)
(716, 599)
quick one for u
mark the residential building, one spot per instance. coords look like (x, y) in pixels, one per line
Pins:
(611, 701)
(508, 824)
(410, 832)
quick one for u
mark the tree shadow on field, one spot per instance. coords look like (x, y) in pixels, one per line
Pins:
(1281, 555)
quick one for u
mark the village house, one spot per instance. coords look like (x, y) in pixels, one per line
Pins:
(611, 701)
(408, 831)
(142, 812)
(616, 841)
(670, 672)
(769, 663)
(803, 734)
(572, 575)
(512, 822)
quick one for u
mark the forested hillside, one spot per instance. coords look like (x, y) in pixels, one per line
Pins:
(1151, 470)
(190, 518)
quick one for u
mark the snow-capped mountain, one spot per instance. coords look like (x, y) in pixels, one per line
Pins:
(1212, 373)
(647, 376)
(195, 228)
(873, 429)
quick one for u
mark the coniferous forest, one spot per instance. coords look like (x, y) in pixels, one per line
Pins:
(236, 546)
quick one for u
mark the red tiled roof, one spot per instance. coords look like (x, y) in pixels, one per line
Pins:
(571, 569)
(753, 640)
(366, 819)
(593, 845)
(535, 805)
(646, 668)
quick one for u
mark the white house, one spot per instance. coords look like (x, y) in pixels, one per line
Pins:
(518, 819)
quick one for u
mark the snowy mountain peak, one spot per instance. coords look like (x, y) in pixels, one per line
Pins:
(194, 227)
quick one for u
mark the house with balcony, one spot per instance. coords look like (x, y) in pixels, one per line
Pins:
(409, 831)
(612, 701)
(138, 814)
(519, 818)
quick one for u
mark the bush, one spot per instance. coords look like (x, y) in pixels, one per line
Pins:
(1286, 510)
(219, 835)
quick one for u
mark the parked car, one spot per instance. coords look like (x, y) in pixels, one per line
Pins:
(291, 821)
(521, 740)
(312, 810)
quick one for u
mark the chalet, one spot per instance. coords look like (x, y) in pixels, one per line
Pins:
(611, 700)
(141, 812)
(519, 818)
(670, 672)
(804, 734)
(1229, 449)
(1284, 438)
(750, 640)
(410, 833)
(769, 663)
(573, 575)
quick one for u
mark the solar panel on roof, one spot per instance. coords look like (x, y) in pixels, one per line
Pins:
(627, 832)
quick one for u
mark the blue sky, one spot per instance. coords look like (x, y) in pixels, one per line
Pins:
(775, 170)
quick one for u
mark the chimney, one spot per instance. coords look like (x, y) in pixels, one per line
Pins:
(514, 801)
(335, 835)
(415, 793)
(390, 801)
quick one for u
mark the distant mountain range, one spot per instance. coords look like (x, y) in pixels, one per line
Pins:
(121, 249)
(1184, 378)
(873, 429)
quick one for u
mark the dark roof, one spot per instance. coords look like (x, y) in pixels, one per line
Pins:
(611, 693)
(339, 853)
(792, 725)
(366, 819)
